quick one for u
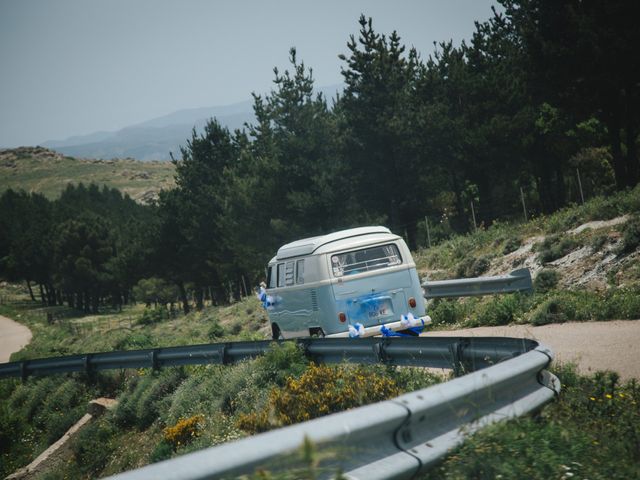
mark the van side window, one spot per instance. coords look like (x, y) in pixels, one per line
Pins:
(281, 274)
(365, 260)
(300, 272)
(270, 278)
(288, 273)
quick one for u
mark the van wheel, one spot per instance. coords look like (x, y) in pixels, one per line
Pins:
(276, 334)
(316, 332)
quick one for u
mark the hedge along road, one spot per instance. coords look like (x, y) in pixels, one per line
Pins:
(592, 346)
(13, 337)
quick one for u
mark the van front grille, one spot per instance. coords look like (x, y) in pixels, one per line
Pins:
(314, 301)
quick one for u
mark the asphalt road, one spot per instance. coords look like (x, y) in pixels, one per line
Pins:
(592, 346)
(13, 337)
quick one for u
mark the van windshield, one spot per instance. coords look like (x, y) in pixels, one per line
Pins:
(365, 260)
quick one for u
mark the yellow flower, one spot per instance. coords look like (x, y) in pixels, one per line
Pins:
(592, 399)
(608, 395)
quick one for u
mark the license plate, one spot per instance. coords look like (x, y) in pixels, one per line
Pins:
(380, 312)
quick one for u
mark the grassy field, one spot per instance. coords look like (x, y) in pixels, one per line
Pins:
(591, 431)
(40, 170)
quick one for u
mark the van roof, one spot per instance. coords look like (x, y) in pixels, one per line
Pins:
(307, 246)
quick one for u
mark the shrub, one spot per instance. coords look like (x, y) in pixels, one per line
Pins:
(184, 431)
(473, 267)
(446, 312)
(140, 406)
(511, 245)
(133, 341)
(598, 241)
(548, 312)
(321, 390)
(153, 315)
(546, 280)
(93, 446)
(630, 237)
(215, 331)
(554, 247)
(162, 451)
(501, 310)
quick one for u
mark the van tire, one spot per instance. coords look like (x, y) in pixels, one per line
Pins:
(316, 332)
(276, 334)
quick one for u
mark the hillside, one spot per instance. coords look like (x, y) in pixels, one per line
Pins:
(585, 264)
(37, 169)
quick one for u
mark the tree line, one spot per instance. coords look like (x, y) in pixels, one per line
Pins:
(542, 92)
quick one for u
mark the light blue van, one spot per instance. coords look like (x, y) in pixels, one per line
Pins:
(357, 282)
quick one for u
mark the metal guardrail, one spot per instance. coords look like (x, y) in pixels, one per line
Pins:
(394, 439)
(461, 354)
(516, 281)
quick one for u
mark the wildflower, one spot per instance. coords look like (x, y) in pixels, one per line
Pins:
(608, 395)
(593, 399)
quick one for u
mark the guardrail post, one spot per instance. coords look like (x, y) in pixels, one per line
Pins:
(155, 365)
(24, 373)
(459, 366)
(224, 356)
(380, 350)
(88, 368)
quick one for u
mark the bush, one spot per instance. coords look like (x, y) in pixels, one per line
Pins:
(163, 451)
(598, 241)
(141, 405)
(321, 390)
(93, 447)
(501, 310)
(153, 315)
(215, 331)
(554, 247)
(551, 311)
(184, 431)
(511, 245)
(446, 312)
(630, 237)
(133, 341)
(546, 280)
(473, 267)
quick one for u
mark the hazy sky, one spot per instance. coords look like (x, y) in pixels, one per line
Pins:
(71, 67)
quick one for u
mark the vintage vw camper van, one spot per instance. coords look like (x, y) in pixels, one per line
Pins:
(356, 282)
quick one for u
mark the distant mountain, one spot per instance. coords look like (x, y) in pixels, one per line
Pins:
(156, 138)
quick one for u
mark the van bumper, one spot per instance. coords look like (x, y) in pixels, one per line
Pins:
(376, 330)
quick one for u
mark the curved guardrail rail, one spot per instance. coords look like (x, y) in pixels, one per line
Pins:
(463, 354)
(394, 439)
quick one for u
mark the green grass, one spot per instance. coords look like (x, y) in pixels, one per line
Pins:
(35, 170)
(592, 431)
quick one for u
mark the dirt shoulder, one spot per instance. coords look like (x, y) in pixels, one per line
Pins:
(13, 337)
(592, 346)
